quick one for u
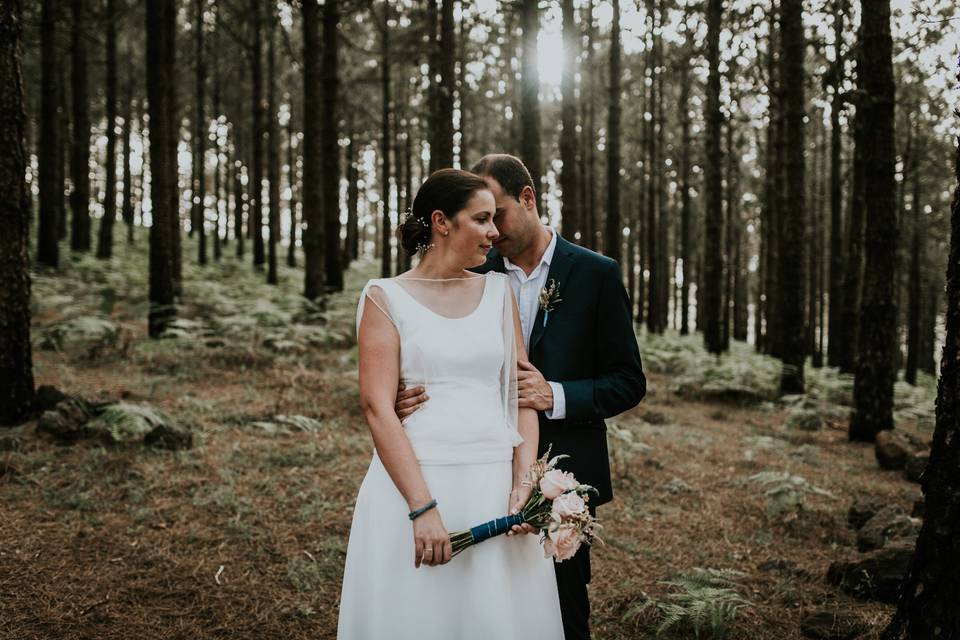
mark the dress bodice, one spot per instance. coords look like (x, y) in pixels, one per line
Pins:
(465, 363)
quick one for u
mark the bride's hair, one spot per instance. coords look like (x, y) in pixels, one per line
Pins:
(447, 190)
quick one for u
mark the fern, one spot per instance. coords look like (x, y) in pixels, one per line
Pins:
(703, 601)
(126, 422)
(785, 493)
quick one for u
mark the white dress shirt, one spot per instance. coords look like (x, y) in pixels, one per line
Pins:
(527, 291)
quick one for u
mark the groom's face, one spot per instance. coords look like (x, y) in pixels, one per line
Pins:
(515, 219)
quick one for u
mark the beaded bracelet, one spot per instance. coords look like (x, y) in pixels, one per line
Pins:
(416, 513)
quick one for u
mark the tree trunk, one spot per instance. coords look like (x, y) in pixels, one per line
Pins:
(728, 232)
(713, 253)
(686, 255)
(170, 83)
(63, 124)
(529, 96)
(105, 235)
(928, 596)
(917, 285)
(16, 359)
(613, 228)
(792, 253)
(352, 249)
(569, 180)
(313, 233)
(386, 229)
(876, 369)
(292, 185)
(127, 209)
(834, 330)
(663, 220)
(329, 138)
(218, 176)
(273, 155)
(853, 268)
(255, 185)
(238, 206)
(447, 86)
(51, 190)
(198, 212)
(80, 157)
(159, 59)
(431, 28)
(588, 151)
(929, 340)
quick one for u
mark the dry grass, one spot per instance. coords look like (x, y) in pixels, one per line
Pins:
(244, 536)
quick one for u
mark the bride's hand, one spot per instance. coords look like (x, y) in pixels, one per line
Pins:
(431, 539)
(518, 498)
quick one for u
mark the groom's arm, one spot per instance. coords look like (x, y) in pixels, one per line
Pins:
(619, 383)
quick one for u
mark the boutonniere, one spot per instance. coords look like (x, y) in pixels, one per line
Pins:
(549, 297)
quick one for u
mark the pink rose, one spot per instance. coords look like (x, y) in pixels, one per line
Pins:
(561, 543)
(555, 482)
(568, 504)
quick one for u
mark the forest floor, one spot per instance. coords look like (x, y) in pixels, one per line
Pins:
(244, 535)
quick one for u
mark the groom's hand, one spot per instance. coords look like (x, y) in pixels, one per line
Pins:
(409, 400)
(534, 391)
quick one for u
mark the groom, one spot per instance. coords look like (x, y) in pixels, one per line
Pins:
(584, 361)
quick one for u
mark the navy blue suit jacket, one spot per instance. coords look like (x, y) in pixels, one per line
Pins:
(589, 347)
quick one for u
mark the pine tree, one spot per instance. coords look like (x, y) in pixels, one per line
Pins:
(16, 359)
(875, 367)
(51, 189)
(712, 279)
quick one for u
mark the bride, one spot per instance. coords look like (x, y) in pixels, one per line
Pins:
(458, 461)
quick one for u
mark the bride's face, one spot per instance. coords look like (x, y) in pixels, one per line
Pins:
(472, 232)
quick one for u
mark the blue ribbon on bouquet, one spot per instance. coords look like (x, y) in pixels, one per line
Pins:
(495, 528)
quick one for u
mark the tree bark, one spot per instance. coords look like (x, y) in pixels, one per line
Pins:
(569, 180)
(198, 212)
(313, 233)
(588, 144)
(447, 86)
(255, 185)
(917, 285)
(105, 234)
(386, 229)
(331, 149)
(51, 190)
(686, 255)
(792, 253)
(875, 368)
(292, 185)
(352, 248)
(273, 155)
(612, 245)
(126, 208)
(159, 59)
(16, 359)
(834, 330)
(530, 96)
(713, 254)
(80, 156)
(928, 597)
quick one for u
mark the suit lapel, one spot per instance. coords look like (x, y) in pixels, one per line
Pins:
(559, 269)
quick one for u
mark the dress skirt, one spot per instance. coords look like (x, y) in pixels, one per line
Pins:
(501, 589)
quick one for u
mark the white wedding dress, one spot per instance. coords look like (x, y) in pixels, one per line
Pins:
(463, 437)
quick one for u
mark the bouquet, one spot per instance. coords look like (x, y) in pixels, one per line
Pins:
(557, 509)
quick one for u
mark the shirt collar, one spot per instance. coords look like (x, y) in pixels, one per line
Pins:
(546, 258)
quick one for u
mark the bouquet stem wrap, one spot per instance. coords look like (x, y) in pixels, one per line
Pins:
(495, 527)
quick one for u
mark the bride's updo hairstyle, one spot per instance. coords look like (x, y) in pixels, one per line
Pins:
(447, 190)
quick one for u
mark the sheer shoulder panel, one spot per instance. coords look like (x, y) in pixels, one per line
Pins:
(373, 292)
(451, 298)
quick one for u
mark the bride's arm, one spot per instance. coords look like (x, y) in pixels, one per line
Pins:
(528, 425)
(379, 356)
